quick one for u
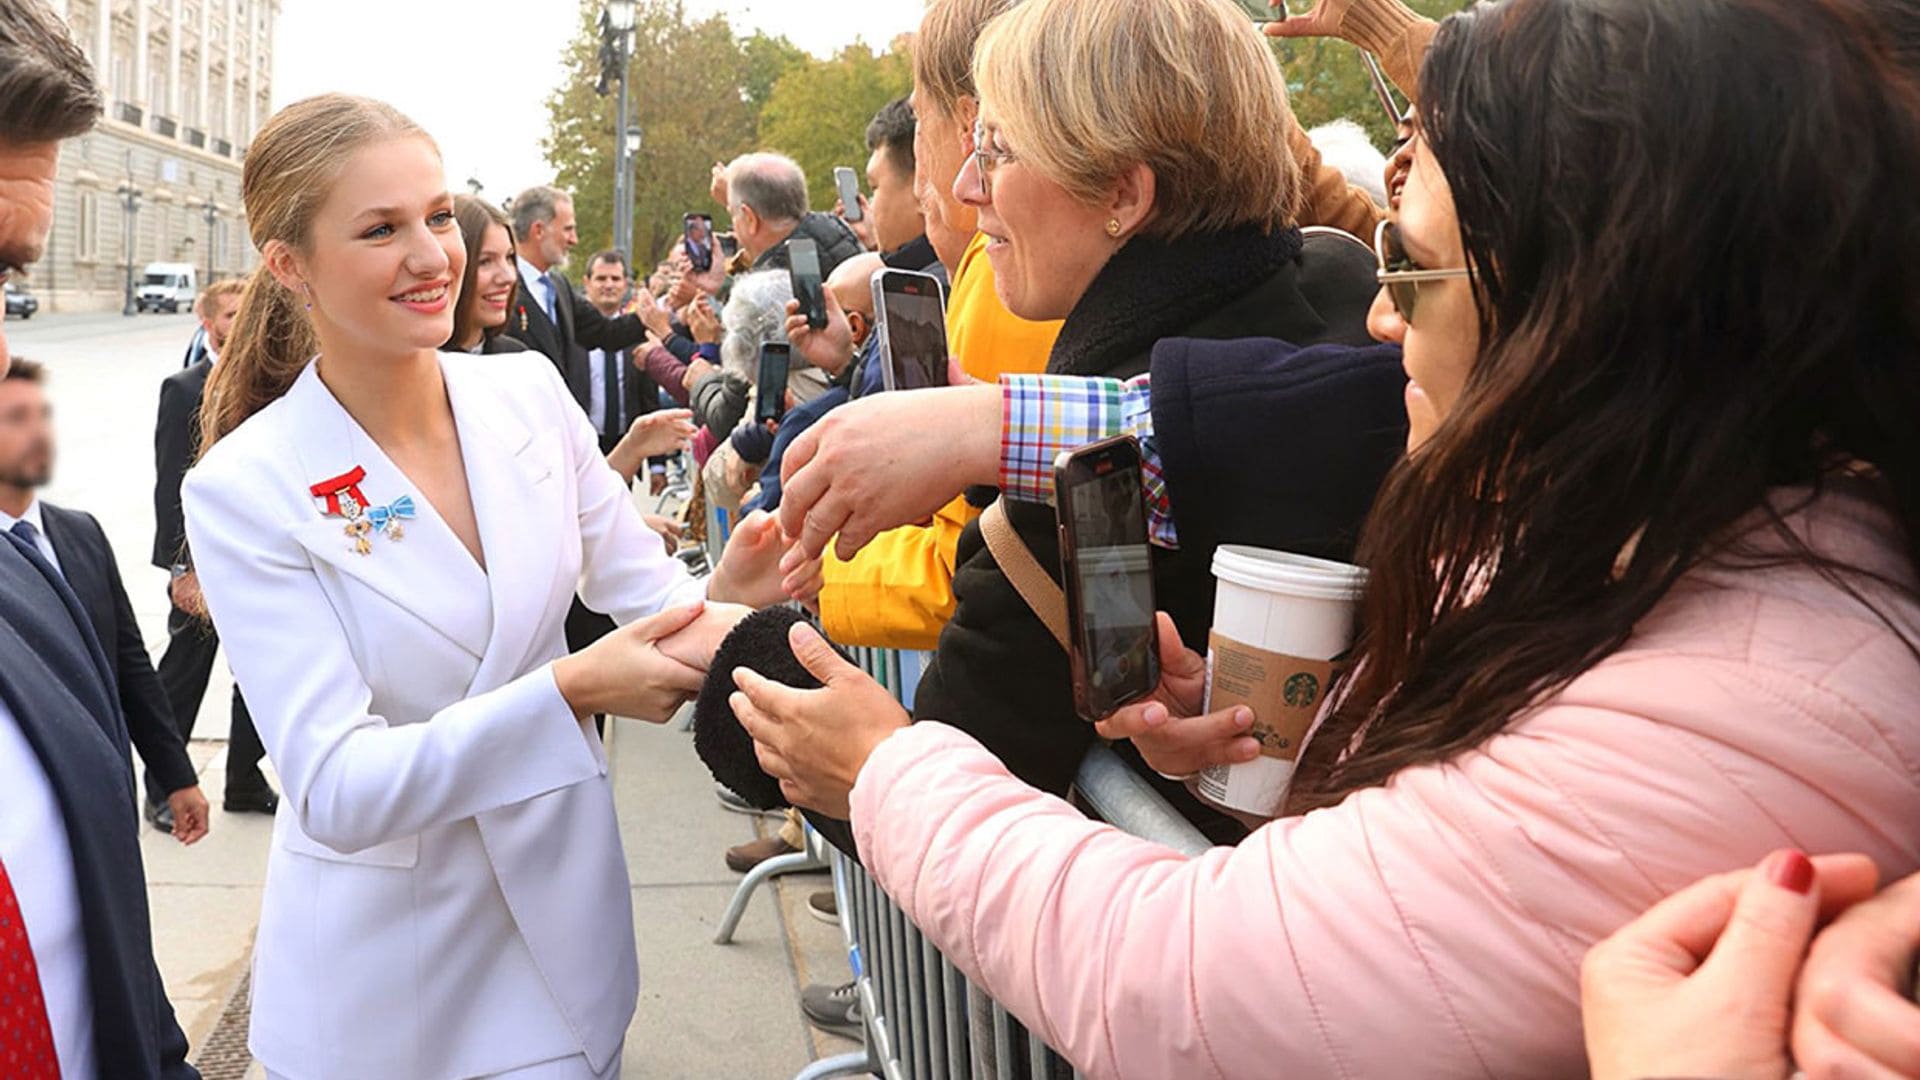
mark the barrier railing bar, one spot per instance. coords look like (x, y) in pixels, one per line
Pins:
(1121, 798)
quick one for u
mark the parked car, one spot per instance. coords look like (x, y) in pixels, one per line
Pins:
(167, 287)
(20, 302)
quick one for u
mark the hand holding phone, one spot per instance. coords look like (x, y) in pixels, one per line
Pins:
(1106, 561)
(849, 186)
(770, 390)
(803, 262)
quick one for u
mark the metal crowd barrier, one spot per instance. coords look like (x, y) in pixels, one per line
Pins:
(921, 1018)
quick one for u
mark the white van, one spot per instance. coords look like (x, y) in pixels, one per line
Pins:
(167, 287)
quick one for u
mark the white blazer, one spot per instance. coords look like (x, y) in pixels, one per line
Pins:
(446, 894)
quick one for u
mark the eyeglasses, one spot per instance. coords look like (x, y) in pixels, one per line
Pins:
(1400, 275)
(987, 160)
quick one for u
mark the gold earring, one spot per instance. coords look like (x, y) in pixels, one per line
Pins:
(1113, 227)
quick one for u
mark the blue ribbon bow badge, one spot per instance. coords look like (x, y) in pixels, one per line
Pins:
(387, 518)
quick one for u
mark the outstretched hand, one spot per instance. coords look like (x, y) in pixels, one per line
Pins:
(1701, 984)
(750, 572)
(1167, 727)
(885, 461)
(815, 742)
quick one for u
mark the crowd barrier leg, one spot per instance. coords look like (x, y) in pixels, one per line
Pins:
(759, 875)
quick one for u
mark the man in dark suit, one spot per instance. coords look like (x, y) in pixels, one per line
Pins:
(620, 392)
(85, 998)
(549, 315)
(77, 547)
(191, 642)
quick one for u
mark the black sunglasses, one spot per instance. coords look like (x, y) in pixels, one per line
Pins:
(1400, 275)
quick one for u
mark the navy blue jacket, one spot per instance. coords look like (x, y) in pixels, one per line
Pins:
(57, 683)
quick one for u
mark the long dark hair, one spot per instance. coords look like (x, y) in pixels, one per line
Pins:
(1694, 227)
(475, 214)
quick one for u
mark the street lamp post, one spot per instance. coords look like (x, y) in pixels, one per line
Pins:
(130, 203)
(475, 186)
(631, 141)
(211, 211)
(616, 52)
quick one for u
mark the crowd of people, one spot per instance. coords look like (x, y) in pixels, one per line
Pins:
(1605, 373)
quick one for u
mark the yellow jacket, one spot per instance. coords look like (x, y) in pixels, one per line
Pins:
(898, 591)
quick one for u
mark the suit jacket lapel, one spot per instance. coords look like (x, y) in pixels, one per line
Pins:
(519, 504)
(43, 610)
(429, 572)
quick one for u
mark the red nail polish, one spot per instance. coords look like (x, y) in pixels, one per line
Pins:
(1791, 870)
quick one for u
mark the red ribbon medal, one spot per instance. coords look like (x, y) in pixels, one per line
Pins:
(344, 499)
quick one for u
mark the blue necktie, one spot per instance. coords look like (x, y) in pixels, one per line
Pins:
(546, 299)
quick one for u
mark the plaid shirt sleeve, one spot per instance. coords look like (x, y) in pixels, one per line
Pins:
(1043, 415)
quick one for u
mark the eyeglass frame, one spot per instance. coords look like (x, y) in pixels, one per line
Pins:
(1390, 279)
(986, 161)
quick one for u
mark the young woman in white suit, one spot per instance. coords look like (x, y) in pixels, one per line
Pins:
(388, 539)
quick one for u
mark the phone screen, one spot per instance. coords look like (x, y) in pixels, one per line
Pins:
(770, 392)
(698, 229)
(913, 322)
(1110, 565)
(849, 185)
(803, 260)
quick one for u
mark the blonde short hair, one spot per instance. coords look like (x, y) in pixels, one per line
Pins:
(224, 287)
(1086, 89)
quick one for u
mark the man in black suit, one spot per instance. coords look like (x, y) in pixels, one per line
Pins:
(77, 547)
(549, 315)
(191, 642)
(86, 998)
(619, 392)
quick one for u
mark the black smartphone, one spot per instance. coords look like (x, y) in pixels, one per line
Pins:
(803, 262)
(849, 185)
(770, 392)
(1107, 565)
(911, 312)
(698, 230)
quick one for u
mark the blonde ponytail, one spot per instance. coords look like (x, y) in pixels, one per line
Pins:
(293, 162)
(271, 341)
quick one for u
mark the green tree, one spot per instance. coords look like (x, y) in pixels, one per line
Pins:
(1327, 79)
(691, 95)
(818, 112)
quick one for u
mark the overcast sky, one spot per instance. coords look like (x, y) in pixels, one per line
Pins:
(484, 97)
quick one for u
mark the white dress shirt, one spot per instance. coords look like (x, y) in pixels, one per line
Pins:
(597, 389)
(40, 541)
(539, 286)
(33, 844)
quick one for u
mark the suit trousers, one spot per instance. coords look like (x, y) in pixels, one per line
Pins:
(184, 670)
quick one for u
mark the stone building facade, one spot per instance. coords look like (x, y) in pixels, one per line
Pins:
(187, 83)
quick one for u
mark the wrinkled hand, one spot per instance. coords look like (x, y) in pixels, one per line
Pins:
(802, 578)
(661, 432)
(1854, 1014)
(749, 571)
(717, 182)
(654, 317)
(626, 674)
(741, 473)
(829, 348)
(816, 741)
(697, 368)
(1166, 725)
(184, 591)
(885, 461)
(670, 530)
(190, 814)
(862, 229)
(703, 322)
(695, 643)
(1700, 984)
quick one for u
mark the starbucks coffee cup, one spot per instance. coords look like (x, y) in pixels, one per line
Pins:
(1282, 625)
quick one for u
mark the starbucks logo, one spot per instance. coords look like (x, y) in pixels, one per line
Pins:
(1301, 690)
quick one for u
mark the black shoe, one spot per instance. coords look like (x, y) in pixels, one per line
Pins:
(833, 1008)
(160, 816)
(259, 802)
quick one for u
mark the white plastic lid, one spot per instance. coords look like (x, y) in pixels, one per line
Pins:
(1288, 574)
